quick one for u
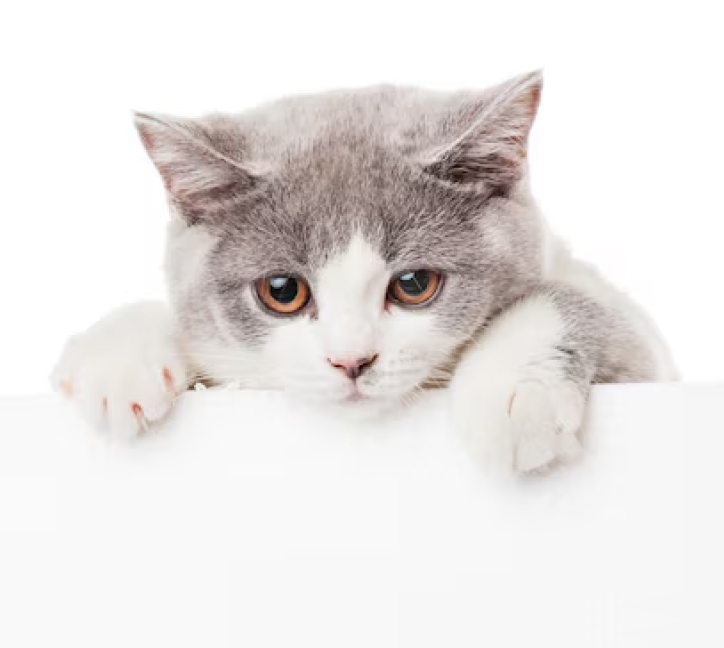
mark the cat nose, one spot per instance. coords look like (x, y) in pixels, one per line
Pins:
(353, 369)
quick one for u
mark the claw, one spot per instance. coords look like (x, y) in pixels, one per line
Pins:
(140, 417)
(168, 381)
(66, 388)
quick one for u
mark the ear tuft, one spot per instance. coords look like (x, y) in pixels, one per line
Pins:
(199, 160)
(492, 145)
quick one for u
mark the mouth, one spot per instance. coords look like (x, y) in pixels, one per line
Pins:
(356, 396)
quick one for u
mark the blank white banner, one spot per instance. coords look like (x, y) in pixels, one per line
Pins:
(250, 521)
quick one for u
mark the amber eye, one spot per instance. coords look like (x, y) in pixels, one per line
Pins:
(414, 288)
(283, 295)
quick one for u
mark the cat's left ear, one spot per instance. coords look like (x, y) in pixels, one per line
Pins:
(487, 137)
(201, 161)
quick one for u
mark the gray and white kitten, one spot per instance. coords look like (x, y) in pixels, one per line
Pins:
(355, 247)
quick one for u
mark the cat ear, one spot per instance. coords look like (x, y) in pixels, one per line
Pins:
(489, 137)
(199, 160)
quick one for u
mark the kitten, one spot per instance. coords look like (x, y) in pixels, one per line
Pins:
(355, 247)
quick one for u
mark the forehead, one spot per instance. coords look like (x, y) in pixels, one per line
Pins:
(343, 186)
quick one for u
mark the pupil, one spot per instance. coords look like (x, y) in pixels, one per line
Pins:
(283, 289)
(415, 283)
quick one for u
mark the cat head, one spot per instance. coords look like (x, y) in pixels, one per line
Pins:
(346, 246)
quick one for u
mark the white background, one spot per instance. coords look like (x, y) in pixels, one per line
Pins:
(626, 154)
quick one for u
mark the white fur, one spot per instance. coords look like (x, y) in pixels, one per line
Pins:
(509, 400)
(350, 299)
(119, 363)
(353, 323)
(222, 358)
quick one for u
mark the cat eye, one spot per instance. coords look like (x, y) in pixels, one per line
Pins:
(283, 295)
(414, 288)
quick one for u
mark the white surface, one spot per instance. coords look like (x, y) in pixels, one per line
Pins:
(626, 151)
(250, 522)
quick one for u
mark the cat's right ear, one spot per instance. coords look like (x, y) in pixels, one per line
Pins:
(201, 161)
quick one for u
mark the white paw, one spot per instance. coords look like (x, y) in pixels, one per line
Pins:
(124, 373)
(511, 398)
(521, 428)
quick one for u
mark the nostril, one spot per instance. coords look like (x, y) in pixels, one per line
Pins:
(357, 369)
(353, 369)
(366, 363)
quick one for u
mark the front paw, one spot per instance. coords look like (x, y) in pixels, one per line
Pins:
(523, 427)
(124, 373)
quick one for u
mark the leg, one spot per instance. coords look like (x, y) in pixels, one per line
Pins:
(519, 393)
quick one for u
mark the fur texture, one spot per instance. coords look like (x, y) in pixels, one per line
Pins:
(347, 190)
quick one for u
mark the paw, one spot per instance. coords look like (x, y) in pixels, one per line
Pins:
(124, 373)
(521, 428)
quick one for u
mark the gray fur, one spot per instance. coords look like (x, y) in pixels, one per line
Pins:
(598, 345)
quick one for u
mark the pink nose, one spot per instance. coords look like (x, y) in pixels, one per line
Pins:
(353, 369)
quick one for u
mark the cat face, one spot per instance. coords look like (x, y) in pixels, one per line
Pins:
(347, 246)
